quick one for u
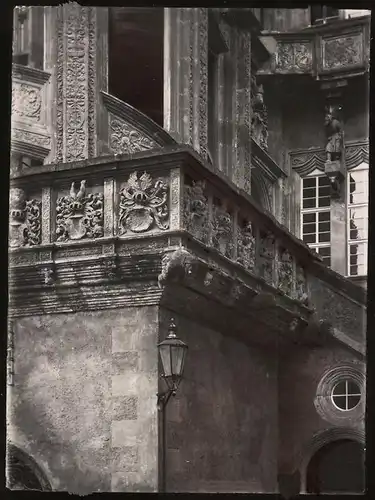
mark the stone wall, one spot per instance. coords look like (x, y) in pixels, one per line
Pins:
(83, 403)
(222, 427)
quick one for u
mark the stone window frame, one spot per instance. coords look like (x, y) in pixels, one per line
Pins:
(317, 246)
(350, 206)
(323, 398)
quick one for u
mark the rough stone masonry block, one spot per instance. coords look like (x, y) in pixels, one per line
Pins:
(125, 458)
(123, 361)
(125, 408)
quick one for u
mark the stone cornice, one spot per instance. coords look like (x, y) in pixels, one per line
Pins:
(266, 164)
(29, 74)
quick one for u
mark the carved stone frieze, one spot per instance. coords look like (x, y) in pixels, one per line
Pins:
(33, 138)
(203, 77)
(342, 51)
(294, 56)
(246, 246)
(79, 215)
(26, 102)
(111, 266)
(266, 257)
(222, 231)
(24, 220)
(126, 139)
(259, 120)
(285, 271)
(195, 214)
(143, 204)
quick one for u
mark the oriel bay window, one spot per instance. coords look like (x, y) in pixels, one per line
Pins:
(316, 215)
(357, 220)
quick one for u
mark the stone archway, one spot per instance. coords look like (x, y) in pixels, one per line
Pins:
(337, 467)
(23, 473)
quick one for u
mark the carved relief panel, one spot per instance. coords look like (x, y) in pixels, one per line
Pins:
(79, 214)
(294, 57)
(246, 245)
(24, 219)
(143, 204)
(301, 290)
(266, 256)
(285, 271)
(195, 211)
(259, 117)
(126, 139)
(343, 51)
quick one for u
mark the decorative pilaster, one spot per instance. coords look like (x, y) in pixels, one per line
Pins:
(185, 76)
(81, 72)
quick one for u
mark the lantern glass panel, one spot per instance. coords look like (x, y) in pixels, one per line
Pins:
(177, 358)
(166, 360)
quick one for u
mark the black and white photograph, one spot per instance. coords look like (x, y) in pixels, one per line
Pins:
(188, 249)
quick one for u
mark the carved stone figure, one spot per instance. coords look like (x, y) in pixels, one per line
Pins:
(266, 257)
(222, 231)
(79, 215)
(246, 246)
(285, 271)
(301, 285)
(175, 265)
(24, 219)
(143, 204)
(195, 212)
(26, 102)
(334, 133)
(259, 125)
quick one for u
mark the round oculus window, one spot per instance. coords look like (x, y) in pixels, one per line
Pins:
(346, 395)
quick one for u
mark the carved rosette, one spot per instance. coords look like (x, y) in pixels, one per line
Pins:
(24, 220)
(125, 139)
(285, 271)
(259, 119)
(222, 231)
(79, 215)
(301, 285)
(246, 246)
(26, 102)
(143, 204)
(195, 212)
(266, 257)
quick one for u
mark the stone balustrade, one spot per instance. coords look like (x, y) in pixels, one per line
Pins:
(321, 51)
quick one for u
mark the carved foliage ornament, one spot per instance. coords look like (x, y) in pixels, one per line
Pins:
(24, 220)
(222, 231)
(79, 215)
(124, 139)
(294, 57)
(266, 256)
(259, 120)
(344, 51)
(143, 204)
(26, 102)
(196, 210)
(246, 246)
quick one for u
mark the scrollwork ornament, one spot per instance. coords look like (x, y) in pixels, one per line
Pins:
(125, 139)
(246, 246)
(79, 215)
(222, 231)
(26, 102)
(285, 271)
(143, 204)
(195, 213)
(24, 220)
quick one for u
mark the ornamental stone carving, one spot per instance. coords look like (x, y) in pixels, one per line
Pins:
(24, 220)
(266, 256)
(175, 266)
(335, 140)
(125, 139)
(143, 204)
(259, 120)
(222, 231)
(285, 271)
(246, 246)
(79, 215)
(195, 211)
(294, 57)
(26, 102)
(343, 51)
(301, 285)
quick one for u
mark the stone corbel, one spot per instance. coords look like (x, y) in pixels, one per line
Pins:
(175, 266)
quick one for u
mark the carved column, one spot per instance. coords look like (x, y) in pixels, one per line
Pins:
(76, 55)
(185, 76)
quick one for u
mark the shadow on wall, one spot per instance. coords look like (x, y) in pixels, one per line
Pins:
(23, 473)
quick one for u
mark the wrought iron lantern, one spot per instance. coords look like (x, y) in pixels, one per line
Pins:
(172, 353)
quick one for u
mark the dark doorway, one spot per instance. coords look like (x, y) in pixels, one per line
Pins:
(337, 468)
(23, 473)
(135, 58)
